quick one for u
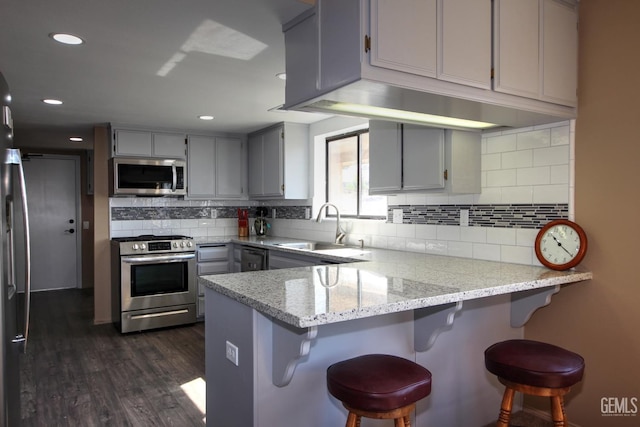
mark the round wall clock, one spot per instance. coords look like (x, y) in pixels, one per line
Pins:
(561, 244)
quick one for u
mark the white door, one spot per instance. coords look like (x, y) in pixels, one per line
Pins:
(53, 191)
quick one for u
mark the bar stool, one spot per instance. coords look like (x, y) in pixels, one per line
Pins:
(537, 369)
(378, 386)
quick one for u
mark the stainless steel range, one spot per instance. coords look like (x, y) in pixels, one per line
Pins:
(153, 282)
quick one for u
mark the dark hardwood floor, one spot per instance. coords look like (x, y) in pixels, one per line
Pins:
(79, 374)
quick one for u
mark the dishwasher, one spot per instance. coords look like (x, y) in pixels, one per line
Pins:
(253, 259)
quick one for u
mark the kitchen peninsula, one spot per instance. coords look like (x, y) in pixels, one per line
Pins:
(289, 325)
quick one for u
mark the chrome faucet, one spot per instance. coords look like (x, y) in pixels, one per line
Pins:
(340, 233)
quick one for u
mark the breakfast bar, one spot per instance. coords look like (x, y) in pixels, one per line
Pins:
(270, 335)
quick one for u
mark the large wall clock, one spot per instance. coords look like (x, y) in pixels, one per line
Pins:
(561, 244)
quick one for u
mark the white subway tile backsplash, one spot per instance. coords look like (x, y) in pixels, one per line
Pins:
(534, 139)
(379, 241)
(396, 243)
(473, 234)
(132, 225)
(486, 252)
(491, 161)
(489, 196)
(501, 236)
(435, 247)
(526, 236)
(520, 194)
(389, 230)
(189, 223)
(406, 230)
(416, 245)
(559, 174)
(517, 159)
(502, 143)
(448, 232)
(460, 249)
(426, 231)
(560, 135)
(555, 193)
(551, 156)
(501, 178)
(534, 176)
(516, 254)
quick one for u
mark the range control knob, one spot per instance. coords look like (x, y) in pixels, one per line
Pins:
(175, 244)
(182, 244)
(189, 244)
(143, 246)
(135, 247)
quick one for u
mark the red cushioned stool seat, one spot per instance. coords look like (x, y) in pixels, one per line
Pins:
(535, 368)
(378, 386)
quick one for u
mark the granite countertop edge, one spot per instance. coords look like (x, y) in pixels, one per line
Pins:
(528, 278)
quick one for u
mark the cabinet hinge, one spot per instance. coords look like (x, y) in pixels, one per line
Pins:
(282, 134)
(282, 187)
(367, 43)
(446, 174)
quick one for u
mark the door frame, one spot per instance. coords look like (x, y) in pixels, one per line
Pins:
(78, 201)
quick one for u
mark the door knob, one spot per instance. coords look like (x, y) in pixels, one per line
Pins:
(71, 221)
(71, 231)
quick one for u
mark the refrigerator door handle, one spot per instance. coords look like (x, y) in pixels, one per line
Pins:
(14, 158)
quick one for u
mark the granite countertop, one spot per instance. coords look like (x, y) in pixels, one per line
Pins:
(382, 281)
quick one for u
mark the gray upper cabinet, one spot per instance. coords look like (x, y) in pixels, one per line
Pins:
(215, 168)
(140, 143)
(413, 28)
(437, 57)
(536, 49)
(410, 158)
(278, 162)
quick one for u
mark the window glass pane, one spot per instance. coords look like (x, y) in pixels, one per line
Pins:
(342, 174)
(369, 205)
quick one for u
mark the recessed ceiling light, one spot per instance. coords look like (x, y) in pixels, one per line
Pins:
(75, 139)
(52, 101)
(205, 117)
(66, 38)
(282, 76)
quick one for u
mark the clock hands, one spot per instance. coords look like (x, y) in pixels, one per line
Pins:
(560, 244)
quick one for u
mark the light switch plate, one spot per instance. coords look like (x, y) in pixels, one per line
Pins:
(397, 216)
(464, 217)
(232, 353)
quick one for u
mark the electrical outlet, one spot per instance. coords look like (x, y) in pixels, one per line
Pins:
(232, 353)
(273, 213)
(307, 213)
(214, 213)
(464, 217)
(397, 216)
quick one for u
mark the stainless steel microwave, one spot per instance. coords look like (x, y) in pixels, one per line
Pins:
(147, 177)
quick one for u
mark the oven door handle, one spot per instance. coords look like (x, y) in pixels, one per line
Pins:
(147, 259)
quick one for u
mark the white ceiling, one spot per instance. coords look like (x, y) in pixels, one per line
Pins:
(117, 75)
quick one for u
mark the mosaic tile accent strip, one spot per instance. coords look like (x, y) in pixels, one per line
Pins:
(154, 213)
(502, 216)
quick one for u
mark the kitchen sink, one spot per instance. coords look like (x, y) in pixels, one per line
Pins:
(310, 246)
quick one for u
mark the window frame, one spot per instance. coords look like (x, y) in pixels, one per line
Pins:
(328, 140)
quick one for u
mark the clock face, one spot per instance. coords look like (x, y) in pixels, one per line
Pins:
(561, 244)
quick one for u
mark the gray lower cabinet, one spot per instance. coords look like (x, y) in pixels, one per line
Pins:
(280, 259)
(210, 259)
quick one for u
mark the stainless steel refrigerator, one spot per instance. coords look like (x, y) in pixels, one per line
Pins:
(14, 267)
